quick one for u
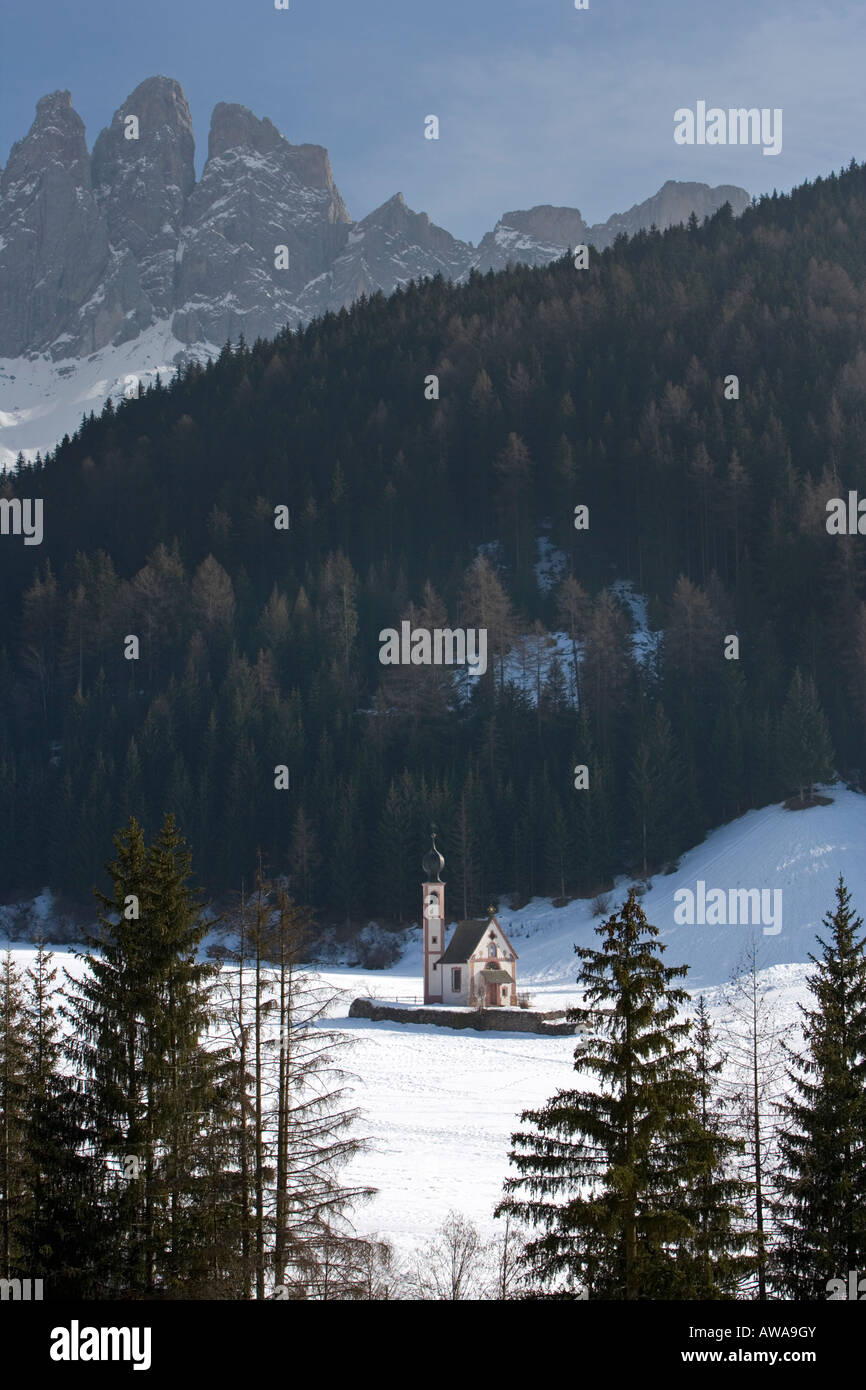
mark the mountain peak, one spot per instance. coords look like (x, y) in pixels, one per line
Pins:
(141, 186)
(55, 137)
(235, 127)
(56, 123)
(558, 226)
(164, 136)
(53, 101)
(157, 102)
(391, 214)
(675, 201)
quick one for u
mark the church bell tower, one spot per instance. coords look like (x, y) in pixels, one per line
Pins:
(433, 919)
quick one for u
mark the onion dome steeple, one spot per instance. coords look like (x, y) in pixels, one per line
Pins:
(433, 862)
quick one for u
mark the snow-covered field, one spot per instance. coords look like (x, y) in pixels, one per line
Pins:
(439, 1106)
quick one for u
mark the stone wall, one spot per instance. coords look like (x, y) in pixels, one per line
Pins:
(505, 1020)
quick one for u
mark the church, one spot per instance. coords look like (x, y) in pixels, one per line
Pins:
(478, 966)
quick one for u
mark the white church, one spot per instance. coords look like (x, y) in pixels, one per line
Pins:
(478, 966)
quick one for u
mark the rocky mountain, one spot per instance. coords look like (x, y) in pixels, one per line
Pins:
(389, 247)
(119, 263)
(142, 187)
(54, 249)
(257, 193)
(674, 202)
(536, 237)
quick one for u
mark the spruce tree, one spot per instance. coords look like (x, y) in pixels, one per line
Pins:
(609, 1175)
(107, 1044)
(141, 1016)
(188, 1084)
(64, 1240)
(13, 1092)
(805, 748)
(822, 1210)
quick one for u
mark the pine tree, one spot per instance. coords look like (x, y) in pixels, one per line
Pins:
(106, 1048)
(805, 746)
(64, 1241)
(13, 1092)
(141, 1015)
(186, 1080)
(822, 1180)
(656, 779)
(607, 1174)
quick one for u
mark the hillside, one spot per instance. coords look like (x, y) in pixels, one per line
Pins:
(260, 647)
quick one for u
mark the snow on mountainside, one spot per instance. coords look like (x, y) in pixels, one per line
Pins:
(42, 400)
(439, 1106)
(107, 253)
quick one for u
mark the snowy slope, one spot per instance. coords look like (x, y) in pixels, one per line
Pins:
(800, 852)
(439, 1106)
(41, 400)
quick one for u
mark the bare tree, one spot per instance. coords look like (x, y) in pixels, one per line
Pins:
(506, 1253)
(294, 1125)
(450, 1267)
(753, 1038)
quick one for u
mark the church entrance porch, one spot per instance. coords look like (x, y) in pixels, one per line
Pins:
(495, 986)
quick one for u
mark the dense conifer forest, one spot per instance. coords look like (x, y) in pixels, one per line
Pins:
(558, 387)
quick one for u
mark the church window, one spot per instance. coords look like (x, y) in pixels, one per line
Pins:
(491, 949)
(456, 981)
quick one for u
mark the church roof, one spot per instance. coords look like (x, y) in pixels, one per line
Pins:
(464, 941)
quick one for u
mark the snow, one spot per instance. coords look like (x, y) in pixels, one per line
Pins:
(41, 400)
(439, 1107)
(645, 642)
(550, 566)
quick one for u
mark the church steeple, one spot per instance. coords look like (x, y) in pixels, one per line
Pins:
(433, 920)
(434, 861)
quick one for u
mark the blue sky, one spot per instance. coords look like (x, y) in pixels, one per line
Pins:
(538, 102)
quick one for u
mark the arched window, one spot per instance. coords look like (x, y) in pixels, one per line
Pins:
(491, 950)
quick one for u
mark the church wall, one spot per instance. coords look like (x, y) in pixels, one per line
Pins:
(461, 996)
(480, 1020)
